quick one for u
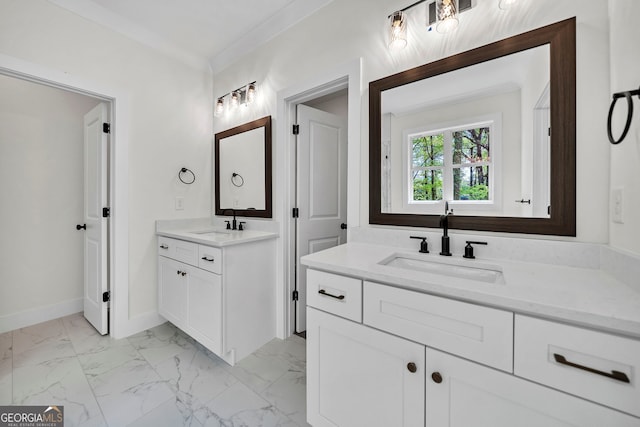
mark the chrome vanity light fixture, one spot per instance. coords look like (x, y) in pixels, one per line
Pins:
(244, 95)
(442, 13)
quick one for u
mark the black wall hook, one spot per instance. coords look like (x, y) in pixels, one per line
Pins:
(629, 95)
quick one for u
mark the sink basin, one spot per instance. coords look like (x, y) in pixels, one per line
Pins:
(463, 269)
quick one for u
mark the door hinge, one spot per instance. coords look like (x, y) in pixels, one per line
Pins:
(106, 212)
(106, 127)
(296, 129)
(106, 296)
(295, 295)
(549, 210)
(549, 131)
(295, 213)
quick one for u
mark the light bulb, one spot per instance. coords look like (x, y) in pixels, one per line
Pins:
(397, 31)
(251, 93)
(447, 16)
(235, 99)
(219, 107)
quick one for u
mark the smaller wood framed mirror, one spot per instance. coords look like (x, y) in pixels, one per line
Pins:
(243, 170)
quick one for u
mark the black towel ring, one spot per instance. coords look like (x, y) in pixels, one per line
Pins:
(234, 179)
(616, 96)
(183, 171)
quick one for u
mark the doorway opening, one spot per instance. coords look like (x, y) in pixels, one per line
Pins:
(320, 221)
(44, 137)
(338, 91)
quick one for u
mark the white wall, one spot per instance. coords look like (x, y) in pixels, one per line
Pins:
(169, 122)
(327, 38)
(335, 103)
(41, 188)
(625, 157)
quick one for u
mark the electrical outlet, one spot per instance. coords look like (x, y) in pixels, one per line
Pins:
(617, 198)
(179, 203)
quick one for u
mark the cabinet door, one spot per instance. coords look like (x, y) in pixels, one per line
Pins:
(172, 290)
(204, 318)
(473, 395)
(358, 376)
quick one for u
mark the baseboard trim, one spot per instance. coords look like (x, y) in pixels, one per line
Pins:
(37, 315)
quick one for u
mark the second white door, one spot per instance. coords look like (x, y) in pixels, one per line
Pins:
(321, 190)
(95, 237)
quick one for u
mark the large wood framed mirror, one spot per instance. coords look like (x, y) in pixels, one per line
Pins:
(490, 132)
(243, 170)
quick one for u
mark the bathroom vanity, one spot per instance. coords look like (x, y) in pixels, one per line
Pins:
(218, 286)
(401, 338)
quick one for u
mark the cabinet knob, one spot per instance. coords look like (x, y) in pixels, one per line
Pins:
(412, 367)
(436, 377)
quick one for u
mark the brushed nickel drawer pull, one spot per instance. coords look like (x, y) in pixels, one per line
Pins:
(616, 375)
(325, 293)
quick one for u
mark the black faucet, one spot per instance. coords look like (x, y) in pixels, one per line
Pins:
(235, 223)
(444, 223)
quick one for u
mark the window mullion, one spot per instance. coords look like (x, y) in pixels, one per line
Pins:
(447, 178)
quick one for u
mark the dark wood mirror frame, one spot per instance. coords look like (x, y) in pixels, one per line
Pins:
(259, 213)
(561, 38)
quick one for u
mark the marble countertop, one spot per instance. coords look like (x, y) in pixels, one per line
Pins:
(582, 296)
(216, 236)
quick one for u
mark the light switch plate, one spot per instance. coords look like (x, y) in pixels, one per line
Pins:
(617, 205)
(179, 203)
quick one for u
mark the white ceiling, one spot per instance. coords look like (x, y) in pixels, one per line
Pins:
(199, 32)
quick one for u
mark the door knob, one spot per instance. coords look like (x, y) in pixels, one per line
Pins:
(343, 226)
(81, 227)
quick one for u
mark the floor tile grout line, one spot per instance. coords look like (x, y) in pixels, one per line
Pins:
(84, 373)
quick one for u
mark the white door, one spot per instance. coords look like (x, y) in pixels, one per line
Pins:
(460, 393)
(95, 237)
(321, 191)
(361, 377)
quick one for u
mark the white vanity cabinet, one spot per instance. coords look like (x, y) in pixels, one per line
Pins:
(222, 297)
(462, 364)
(360, 377)
(465, 394)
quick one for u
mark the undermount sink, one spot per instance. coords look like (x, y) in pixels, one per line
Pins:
(463, 269)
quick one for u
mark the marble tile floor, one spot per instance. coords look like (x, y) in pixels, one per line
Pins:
(159, 377)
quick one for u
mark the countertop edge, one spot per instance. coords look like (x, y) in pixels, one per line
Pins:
(574, 316)
(190, 236)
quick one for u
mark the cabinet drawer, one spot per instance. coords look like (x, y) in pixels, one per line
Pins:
(179, 250)
(556, 355)
(335, 294)
(482, 334)
(210, 259)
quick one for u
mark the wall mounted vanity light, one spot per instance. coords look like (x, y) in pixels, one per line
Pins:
(442, 13)
(244, 95)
